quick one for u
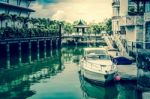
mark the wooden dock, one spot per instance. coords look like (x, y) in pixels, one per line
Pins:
(126, 72)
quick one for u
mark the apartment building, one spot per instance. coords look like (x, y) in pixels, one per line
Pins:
(147, 25)
(15, 7)
(131, 21)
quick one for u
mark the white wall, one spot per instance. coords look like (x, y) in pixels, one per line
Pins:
(14, 2)
(130, 33)
(115, 25)
(123, 7)
(2, 10)
(115, 11)
(24, 3)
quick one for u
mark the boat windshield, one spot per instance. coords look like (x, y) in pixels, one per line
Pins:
(98, 57)
(95, 52)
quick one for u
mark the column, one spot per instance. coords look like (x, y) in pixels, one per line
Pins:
(20, 56)
(57, 40)
(29, 52)
(57, 48)
(8, 55)
(45, 49)
(51, 45)
(38, 51)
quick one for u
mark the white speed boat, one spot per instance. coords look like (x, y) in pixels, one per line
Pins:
(97, 65)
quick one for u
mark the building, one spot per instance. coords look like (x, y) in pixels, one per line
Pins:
(130, 22)
(147, 25)
(81, 28)
(14, 7)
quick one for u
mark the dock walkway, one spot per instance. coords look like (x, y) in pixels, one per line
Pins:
(126, 72)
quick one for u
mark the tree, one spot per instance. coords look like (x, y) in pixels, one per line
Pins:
(108, 26)
(4, 17)
(68, 28)
(96, 29)
(14, 18)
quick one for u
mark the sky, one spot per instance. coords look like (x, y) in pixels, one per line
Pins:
(72, 10)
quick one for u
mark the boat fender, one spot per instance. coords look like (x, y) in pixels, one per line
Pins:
(117, 78)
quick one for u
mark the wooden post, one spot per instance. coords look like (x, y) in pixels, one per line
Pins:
(29, 57)
(57, 42)
(60, 33)
(51, 44)
(38, 51)
(45, 49)
(20, 56)
(8, 55)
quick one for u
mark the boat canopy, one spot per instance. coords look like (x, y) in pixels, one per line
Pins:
(95, 51)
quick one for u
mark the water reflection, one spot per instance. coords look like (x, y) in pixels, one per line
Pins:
(72, 54)
(112, 91)
(91, 90)
(56, 77)
(15, 82)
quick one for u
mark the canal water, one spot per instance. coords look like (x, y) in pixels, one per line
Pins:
(57, 77)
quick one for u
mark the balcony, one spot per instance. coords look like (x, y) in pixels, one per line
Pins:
(147, 16)
(116, 3)
(131, 20)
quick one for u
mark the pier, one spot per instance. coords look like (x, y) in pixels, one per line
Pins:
(19, 46)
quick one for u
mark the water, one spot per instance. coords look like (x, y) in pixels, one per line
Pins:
(57, 77)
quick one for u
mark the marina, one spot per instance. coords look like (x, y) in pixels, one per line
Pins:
(61, 76)
(74, 49)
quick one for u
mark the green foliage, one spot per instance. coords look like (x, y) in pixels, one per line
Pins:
(39, 27)
(108, 26)
(96, 28)
(68, 27)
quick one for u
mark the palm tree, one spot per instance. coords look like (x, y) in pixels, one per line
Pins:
(20, 19)
(34, 21)
(4, 17)
(14, 18)
(25, 21)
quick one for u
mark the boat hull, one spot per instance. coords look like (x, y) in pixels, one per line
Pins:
(97, 77)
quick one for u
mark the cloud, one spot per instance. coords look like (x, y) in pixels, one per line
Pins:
(71, 10)
(59, 15)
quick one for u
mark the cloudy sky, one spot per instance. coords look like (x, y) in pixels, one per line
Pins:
(71, 10)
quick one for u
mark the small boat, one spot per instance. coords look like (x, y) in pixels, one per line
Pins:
(96, 65)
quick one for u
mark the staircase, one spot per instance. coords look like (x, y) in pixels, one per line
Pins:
(109, 41)
(122, 47)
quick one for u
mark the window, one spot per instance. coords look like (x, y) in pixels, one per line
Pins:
(147, 7)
